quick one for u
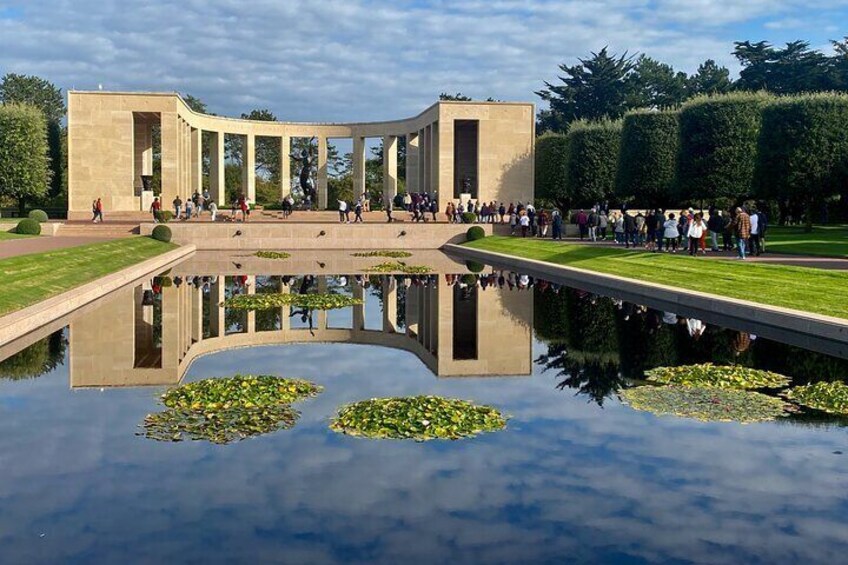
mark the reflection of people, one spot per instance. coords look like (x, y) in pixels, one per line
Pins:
(695, 327)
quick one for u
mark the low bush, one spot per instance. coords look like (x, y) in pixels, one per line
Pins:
(161, 233)
(164, 216)
(474, 233)
(474, 266)
(39, 216)
(28, 226)
(469, 217)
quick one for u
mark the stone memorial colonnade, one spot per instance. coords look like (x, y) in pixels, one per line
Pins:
(484, 149)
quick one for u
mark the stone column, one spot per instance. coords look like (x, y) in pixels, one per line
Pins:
(358, 158)
(425, 150)
(322, 173)
(187, 165)
(248, 170)
(358, 309)
(196, 314)
(412, 162)
(389, 303)
(217, 189)
(197, 159)
(285, 166)
(216, 310)
(285, 321)
(170, 149)
(321, 318)
(389, 167)
(433, 139)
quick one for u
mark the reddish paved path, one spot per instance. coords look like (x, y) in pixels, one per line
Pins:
(24, 246)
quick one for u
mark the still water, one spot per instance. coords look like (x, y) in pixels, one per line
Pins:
(576, 476)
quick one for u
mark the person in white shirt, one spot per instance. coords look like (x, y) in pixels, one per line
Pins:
(342, 211)
(697, 229)
(755, 232)
(525, 224)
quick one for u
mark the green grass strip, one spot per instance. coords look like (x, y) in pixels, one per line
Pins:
(28, 279)
(828, 241)
(801, 288)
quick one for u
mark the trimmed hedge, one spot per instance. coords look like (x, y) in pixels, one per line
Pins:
(803, 149)
(475, 233)
(592, 161)
(469, 217)
(28, 226)
(648, 160)
(551, 169)
(39, 216)
(474, 267)
(164, 216)
(718, 145)
(161, 233)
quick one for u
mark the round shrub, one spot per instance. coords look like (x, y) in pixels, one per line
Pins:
(161, 233)
(718, 145)
(28, 226)
(475, 233)
(39, 216)
(164, 216)
(468, 280)
(469, 217)
(474, 266)
(648, 160)
(592, 162)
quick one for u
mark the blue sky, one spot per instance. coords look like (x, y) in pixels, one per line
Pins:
(352, 60)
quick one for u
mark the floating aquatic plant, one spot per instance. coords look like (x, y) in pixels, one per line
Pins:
(720, 376)
(240, 391)
(417, 417)
(830, 397)
(317, 301)
(706, 404)
(228, 409)
(399, 267)
(383, 253)
(272, 254)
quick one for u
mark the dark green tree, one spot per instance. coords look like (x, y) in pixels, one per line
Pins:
(656, 85)
(595, 88)
(24, 159)
(710, 79)
(41, 93)
(648, 160)
(793, 69)
(592, 161)
(38, 359)
(551, 170)
(458, 96)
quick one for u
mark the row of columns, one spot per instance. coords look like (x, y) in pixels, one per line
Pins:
(422, 166)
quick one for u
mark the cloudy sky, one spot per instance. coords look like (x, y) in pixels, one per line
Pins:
(352, 60)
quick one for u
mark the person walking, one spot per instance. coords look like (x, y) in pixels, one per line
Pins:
(629, 229)
(603, 222)
(178, 206)
(155, 207)
(742, 231)
(659, 219)
(762, 224)
(213, 209)
(389, 218)
(513, 221)
(189, 205)
(714, 224)
(671, 234)
(755, 233)
(592, 223)
(525, 224)
(98, 210)
(618, 227)
(543, 224)
(556, 225)
(502, 211)
(697, 228)
(342, 209)
(583, 224)
(357, 212)
(650, 231)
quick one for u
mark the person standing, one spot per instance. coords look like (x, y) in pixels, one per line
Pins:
(742, 230)
(755, 233)
(671, 234)
(502, 211)
(213, 209)
(696, 232)
(178, 206)
(357, 212)
(556, 225)
(582, 224)
(762, 225)
(188, 208)
(650, 231)
(342, 209)
(629, 229)
(98, 210)
(155, 207)
(525, 224)
(389, 218)
(592, 223)
(543, 224)
(714, 224)
(659, 219)
(603, 222)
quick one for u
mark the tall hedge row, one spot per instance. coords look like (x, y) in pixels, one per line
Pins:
(648, 160)
(551, 155)
(592, 160)
(718, 145)
(803, 150)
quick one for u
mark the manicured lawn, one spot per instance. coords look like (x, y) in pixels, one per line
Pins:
(823, 240)
(28, 279)
(9, 235)
(812, 290)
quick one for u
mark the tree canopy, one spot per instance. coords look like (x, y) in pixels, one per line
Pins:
(24, 162)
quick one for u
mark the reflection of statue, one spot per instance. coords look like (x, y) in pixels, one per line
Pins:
(305, 173)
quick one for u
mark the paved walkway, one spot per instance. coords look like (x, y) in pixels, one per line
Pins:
(25, 246)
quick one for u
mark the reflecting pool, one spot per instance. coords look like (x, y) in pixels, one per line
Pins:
(576, 475)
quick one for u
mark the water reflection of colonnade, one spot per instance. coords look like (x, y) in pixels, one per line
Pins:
(150, 334)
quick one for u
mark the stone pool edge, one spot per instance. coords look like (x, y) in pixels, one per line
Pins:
(21, 322)
(779, 322)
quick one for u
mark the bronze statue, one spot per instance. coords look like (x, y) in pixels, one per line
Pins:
(305, 173)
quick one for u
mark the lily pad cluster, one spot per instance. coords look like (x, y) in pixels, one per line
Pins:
(420, 418)
(383, 253)
(830, 397)
(707, 404)
(399, 267)
(226, 410)
(272, 254)
(317, 301)
(719, 376)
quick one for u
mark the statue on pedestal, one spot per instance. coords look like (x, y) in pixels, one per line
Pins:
(305, 173)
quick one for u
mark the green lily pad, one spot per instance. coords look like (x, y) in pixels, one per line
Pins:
(719, 376)
(316, 301)
(399, 267)
(240, 391)
(420, 418)
(221, 426)
(830, 397)
(706, 404)
(272, 254)
(383, 253)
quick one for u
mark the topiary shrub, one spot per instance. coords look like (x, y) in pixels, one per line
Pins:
(474, 266)
(28, 226)
(648, 160)
(161, 233)
(474, 233)
(469, 217)
(164, 216)
(592, 161)
(551, 161)
(468, 280)
(39, 216)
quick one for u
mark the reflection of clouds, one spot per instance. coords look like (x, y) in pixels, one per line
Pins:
(567, 480)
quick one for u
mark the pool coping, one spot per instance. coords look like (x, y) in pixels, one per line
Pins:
(826, 334)
(21, 322)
